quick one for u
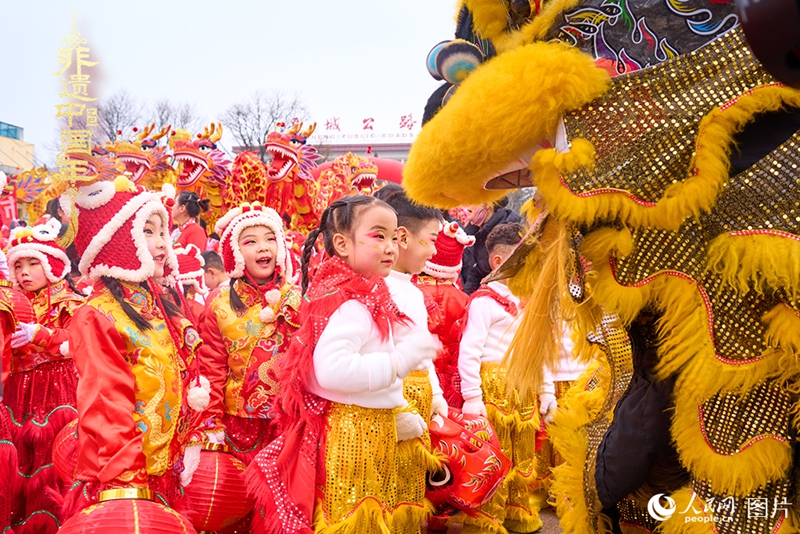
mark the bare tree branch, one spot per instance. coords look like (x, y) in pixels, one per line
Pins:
(119, 112)
(250, 121)
(183, 116)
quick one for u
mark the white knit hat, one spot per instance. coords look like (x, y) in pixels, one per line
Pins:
(40, 242)
(230, 226)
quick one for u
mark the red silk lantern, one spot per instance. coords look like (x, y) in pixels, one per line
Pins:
(23, 310)
(218, 491)
(65, 451)
(127, 510)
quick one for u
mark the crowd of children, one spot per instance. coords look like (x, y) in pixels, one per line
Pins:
(321, 368)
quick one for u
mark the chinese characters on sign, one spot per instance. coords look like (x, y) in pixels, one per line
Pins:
(76, 106)
(406, 121)
(332, 124)
(368, 129)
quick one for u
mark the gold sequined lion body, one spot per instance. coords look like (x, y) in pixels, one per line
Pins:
(681, 237)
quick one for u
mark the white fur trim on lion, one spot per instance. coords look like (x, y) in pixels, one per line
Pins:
(95, 195)
(47, 231)
(266, 315)
(440, 271)
(198, 398)
(64, 349)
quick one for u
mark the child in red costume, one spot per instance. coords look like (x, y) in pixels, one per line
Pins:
(8, 453)
(138, 398)
(418, 228)
(438, 281)
(342, 410)
(40, 391)
(185, 211)
(246, 327)
(191, 284)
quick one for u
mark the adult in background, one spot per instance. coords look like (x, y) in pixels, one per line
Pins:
(482, 220)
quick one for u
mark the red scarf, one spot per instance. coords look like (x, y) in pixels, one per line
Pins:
(486, 291)
(284, 474)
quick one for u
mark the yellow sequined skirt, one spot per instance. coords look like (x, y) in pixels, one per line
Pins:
(360, 492)
(515, 421)
(414, 458)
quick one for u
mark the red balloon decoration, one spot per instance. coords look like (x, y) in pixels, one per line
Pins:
(389, 170)
(218, 491)
(127, 510)
(65, 452)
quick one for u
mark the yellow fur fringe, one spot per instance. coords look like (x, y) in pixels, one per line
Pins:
(449, 163)
(783, 330)
(738, 474)
(518, 520)
(569, 436)
(490, 19)
(762, 262)
(686, 346)
(686, 341)
(481, 523)
(369, 512)
(694, 195)
(407, 518)
(415, 448)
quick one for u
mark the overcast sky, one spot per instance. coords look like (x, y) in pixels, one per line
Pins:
(347, 58)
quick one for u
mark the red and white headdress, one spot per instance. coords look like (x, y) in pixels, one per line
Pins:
(450, 245)
(190, 268)
(230, 226)
(40, 242)
(110, 235)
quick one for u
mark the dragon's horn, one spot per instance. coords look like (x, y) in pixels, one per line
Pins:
(146, 132)
(206, 132)
(309, 130)
(296, 127)
(215, 135)
(162, 132)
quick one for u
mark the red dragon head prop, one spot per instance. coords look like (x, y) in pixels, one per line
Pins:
(142, 155)
(100, 164)
(290, 153)
(195, 155)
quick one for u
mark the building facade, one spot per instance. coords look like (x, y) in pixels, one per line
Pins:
(15, 154)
